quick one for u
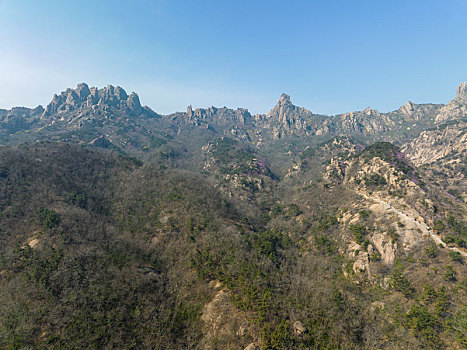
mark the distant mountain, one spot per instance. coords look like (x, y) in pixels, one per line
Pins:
(84, 106)
(111, 118)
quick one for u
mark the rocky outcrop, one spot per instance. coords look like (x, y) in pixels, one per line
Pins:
(299, 328)
(455, 109)
(461, 95)
(221, 320)
(288, 115)
(219, 115)
(76, 102)
(435, 144)
(19, 118)
(367, 121)
(416, 112)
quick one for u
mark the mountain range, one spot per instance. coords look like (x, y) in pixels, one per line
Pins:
(216, 228)
(78, 106)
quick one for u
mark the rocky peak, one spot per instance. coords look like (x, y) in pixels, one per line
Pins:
(283, 103)
(218, 115)
(284, 100)
(133, 102)
(407, 109)
(112, 95)
(82, 90)
(285, 111)
(369, 111)
(189, 111)
(461, 95)
(455, 109)
(83, 96)
(286, 118)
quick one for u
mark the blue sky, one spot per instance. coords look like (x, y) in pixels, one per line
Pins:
(330, 56)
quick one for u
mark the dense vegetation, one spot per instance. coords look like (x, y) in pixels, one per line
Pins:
(98, 250)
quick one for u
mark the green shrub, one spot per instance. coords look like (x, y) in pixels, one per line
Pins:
(277, 338)
(326, 221)
(268, 243)
(423, 324)
(449, 239)
(375, 256)
(293, 210)
(374, 180)
(401, 284)
(458, 326)
(359, 231)
(442, 302)
(432, 251)
(364, 213)
(393, 234)
(450, 274)
(429, 294)
(456, 256)
(325, 244)
(47, 218)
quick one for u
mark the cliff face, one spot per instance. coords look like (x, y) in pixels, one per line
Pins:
(455, 109)
(433, 145)
(18, 119)
(219, 115)
(443, 152)
(286, 117)
(442, 149)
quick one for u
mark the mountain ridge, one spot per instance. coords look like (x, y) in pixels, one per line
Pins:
(84, 91)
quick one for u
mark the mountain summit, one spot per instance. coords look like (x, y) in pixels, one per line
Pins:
(74, 102)
(457, 108)
(461, 95)
(288, 115)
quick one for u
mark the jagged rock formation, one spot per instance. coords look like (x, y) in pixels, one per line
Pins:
(399, 210)
(457, 108)
(443, 151)
(369, 121)
(88, 114)
(219, 115)
(416, 112)
(285, 118)
(83, 103)
(226, 121)
(18, 118)
(444, 147)
(435, 144)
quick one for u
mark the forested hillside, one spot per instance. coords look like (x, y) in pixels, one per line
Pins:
(218, 229)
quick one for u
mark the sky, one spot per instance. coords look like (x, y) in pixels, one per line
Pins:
(330, 56)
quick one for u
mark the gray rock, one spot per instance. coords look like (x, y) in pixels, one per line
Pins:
(82, 90)
(299, 328)
(133, 102)
(461, 94)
